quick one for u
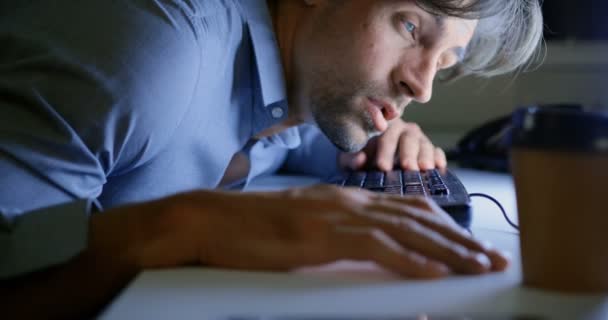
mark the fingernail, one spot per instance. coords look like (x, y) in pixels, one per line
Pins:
(382, 165)
(506, 254)
(483, 260)
(487, 245)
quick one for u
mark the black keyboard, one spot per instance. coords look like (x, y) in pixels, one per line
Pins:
(442, 186)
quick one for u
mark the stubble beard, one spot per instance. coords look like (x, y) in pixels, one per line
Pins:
(334, 110)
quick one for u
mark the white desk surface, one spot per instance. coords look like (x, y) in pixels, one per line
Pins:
(350, 289)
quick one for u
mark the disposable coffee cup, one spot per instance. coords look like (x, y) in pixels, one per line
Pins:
(559, 161)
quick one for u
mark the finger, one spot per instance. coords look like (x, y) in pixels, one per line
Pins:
(500, 259)
(425, 204)
(427, 242)
(430, 215)
(353, 161)
(364, 243)
(409, 146)
(440, 159)
(387, 147)
(421, 202)
(426, 155)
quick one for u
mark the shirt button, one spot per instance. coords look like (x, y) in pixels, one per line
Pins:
(277, 112)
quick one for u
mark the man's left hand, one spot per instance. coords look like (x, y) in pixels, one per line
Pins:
(403, 142)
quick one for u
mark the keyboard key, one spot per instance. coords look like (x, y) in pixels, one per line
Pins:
(439, 191)
(338, 180)
(435, 183)
(356, 179)
(393, 178)
(395, 190)
(413, 190)
(374, 180)
(411, 177)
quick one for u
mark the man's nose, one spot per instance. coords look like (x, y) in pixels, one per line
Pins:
(415, 78)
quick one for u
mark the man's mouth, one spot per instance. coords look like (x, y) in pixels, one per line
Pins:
(380, 113)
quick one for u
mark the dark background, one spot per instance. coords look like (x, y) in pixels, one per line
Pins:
(576, 19)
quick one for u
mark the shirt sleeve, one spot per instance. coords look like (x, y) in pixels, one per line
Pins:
(88, 90)
(316, 155)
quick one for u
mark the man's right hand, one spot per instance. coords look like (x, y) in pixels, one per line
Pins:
(315, 225)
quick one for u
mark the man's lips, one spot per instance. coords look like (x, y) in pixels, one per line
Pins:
(388, 110)
(375, 113)
(381, 112)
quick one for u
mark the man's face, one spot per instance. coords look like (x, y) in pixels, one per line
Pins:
(361, 62)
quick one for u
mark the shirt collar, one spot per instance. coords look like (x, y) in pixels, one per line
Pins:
(266, 51)
(270, 70)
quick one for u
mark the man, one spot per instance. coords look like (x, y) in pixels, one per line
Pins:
(149, 111)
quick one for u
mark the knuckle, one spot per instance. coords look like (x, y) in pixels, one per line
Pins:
(419, 201)
(340, 197)
(405, 161)
(414, 128)
(292, 193)
(332, 189)
(375, 235)
(409, 226)
(415, 258)
(347, 197)
(383, 164)
(369, 241)
(458, 252)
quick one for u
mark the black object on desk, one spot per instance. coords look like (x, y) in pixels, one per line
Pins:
(440, 185)
(487, 146)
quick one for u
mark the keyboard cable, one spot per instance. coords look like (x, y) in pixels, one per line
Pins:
(504, 213)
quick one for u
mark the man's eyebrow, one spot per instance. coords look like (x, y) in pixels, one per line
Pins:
(460, 52)
(439, 22)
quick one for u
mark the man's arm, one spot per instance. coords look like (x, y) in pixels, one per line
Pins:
(120, 243)
(79, 287)
(76, 289)
(251, 231)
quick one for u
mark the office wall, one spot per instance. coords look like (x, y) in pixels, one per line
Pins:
(572, 72)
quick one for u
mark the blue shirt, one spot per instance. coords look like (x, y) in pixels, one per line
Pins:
(104, 103)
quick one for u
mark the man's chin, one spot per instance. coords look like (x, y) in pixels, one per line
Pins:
(348, 144)
(350, 148)
(346, 138)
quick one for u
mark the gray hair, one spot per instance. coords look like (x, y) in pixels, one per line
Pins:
(508, 38)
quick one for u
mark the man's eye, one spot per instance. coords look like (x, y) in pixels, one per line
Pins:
(409, 27)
